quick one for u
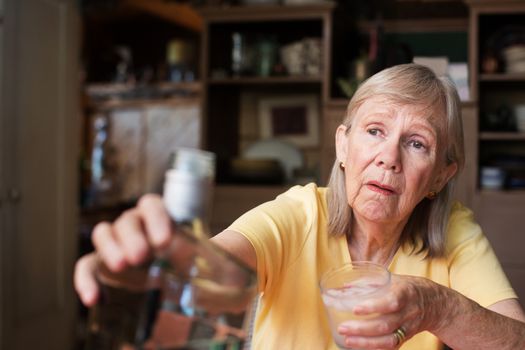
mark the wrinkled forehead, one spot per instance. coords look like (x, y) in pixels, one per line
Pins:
(431, 109)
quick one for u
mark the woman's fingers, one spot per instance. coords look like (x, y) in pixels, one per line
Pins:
(402, 307)
(129, 232)
(129, 239)
(392, 302)
(377, 333)
(403, 292)
(385, 324)
(84, 279)
(155, 219)
(126, 242)
(110, 250)
(387, 341)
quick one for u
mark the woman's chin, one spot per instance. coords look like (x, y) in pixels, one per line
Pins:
(378, 211)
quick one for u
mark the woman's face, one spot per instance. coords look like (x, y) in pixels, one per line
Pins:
(393, 157)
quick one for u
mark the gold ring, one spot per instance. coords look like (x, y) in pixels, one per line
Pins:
(400, 334)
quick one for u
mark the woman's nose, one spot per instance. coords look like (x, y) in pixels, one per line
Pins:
(389, 157)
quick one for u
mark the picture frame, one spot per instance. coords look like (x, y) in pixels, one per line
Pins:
(292, 118)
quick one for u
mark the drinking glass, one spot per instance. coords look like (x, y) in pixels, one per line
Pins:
(345, 287)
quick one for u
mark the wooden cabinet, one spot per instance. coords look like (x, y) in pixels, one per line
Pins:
(38, 187)
(497, 88)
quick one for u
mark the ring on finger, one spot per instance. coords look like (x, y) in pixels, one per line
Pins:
(400, 334)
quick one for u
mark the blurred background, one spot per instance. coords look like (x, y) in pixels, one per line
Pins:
(96, 95)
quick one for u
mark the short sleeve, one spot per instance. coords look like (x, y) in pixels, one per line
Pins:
(474, 268)
(276, 230)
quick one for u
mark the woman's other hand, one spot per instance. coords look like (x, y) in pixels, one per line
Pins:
(126, 242)
(410, 305)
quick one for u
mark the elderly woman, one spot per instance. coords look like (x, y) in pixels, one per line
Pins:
(389, 201)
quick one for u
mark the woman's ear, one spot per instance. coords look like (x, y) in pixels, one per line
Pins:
(341, 142)
(445, 175)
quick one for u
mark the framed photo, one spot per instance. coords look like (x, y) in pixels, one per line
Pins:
(294, 119)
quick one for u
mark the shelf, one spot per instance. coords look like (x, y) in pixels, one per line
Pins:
(436, 25)
(502, 77)
(107, 96)
(254, 13)
(265, 80)
(502, 136)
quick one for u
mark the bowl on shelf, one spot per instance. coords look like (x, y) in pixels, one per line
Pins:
(256, 171)
(515, 58)
(287, 155)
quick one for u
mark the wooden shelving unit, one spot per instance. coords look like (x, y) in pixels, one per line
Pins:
(224, 92)
(499, 212)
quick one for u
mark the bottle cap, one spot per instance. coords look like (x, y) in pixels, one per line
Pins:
(195, 161)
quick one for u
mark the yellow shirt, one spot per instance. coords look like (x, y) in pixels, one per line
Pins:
(293, 249)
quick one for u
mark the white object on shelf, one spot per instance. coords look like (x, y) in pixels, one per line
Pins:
(492, 178)
(515, 58)
(458, 72)
(288, 155)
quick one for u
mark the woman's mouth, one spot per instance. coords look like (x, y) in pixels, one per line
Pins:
(380, 188)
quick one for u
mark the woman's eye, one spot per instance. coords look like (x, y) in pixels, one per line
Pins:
(374, 132)
(416, 144)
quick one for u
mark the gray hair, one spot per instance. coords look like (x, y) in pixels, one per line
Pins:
(417, 85)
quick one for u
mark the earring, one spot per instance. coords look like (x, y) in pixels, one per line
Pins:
(342, 166)
(431, 195)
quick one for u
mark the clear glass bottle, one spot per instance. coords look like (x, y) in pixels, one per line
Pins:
(193, 295)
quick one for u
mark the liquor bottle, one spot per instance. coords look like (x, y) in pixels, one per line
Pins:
(188, 295)
(188, 192)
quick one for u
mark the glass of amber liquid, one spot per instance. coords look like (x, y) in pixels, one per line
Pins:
(345, 287)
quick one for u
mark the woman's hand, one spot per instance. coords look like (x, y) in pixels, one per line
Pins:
(410, 304)
(417, 304)
(129, 241)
